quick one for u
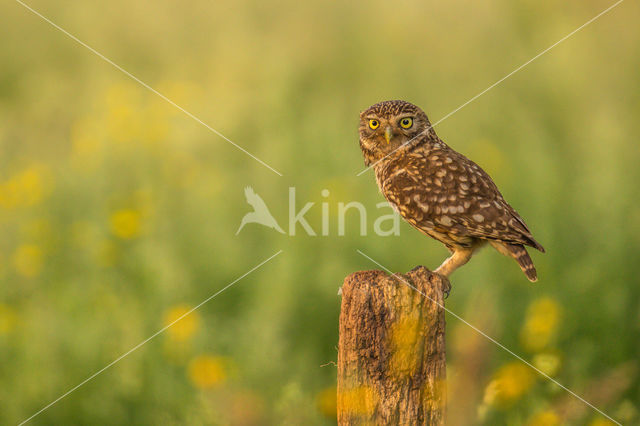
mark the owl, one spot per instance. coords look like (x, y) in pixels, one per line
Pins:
(439, 191)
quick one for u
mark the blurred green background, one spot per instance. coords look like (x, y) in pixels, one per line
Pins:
(118, 212)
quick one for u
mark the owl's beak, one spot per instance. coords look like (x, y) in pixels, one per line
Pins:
(388, 134)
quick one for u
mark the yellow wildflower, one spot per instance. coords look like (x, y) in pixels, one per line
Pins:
(509, 384)
(31, 185)
(185, 326)
(626, 412)
(181, 92)
(326, 401)
(123, 120)
(540, 324)
(26, 188)
(545, 418)
(125, 223)
(8, 319)
(7, 200)
(547, 362)
(154, 126)
(27, 260)
(123, 123)
(206, 371)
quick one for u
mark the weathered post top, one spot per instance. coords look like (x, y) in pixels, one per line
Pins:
(391, 350)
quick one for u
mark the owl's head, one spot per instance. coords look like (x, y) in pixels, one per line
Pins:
(386, 126)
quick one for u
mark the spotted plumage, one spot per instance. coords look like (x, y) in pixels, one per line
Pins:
(439, 191)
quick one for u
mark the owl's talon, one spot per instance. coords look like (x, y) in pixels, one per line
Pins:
(446, 287)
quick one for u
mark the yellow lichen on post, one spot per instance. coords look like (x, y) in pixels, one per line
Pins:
(391, 353)
(361, 400)
(405, 334)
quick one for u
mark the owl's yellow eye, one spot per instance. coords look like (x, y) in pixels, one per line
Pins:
(374, 124)
(405, 123)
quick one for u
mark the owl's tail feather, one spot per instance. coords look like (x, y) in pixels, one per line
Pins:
(519, 253)
(536, 245)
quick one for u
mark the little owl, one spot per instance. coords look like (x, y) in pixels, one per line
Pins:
(439, 191)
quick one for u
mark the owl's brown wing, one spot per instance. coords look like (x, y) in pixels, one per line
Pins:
(447, 196)
(489, 216)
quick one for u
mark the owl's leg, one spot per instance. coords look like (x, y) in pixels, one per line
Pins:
(456, 260)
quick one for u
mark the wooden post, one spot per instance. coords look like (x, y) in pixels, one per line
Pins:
(391, 350)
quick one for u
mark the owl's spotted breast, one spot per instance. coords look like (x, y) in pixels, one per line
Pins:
(449, 197)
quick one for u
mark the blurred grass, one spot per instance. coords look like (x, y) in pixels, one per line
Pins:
(117, 210)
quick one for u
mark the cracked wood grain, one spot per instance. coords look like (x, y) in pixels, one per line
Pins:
(391, 350)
